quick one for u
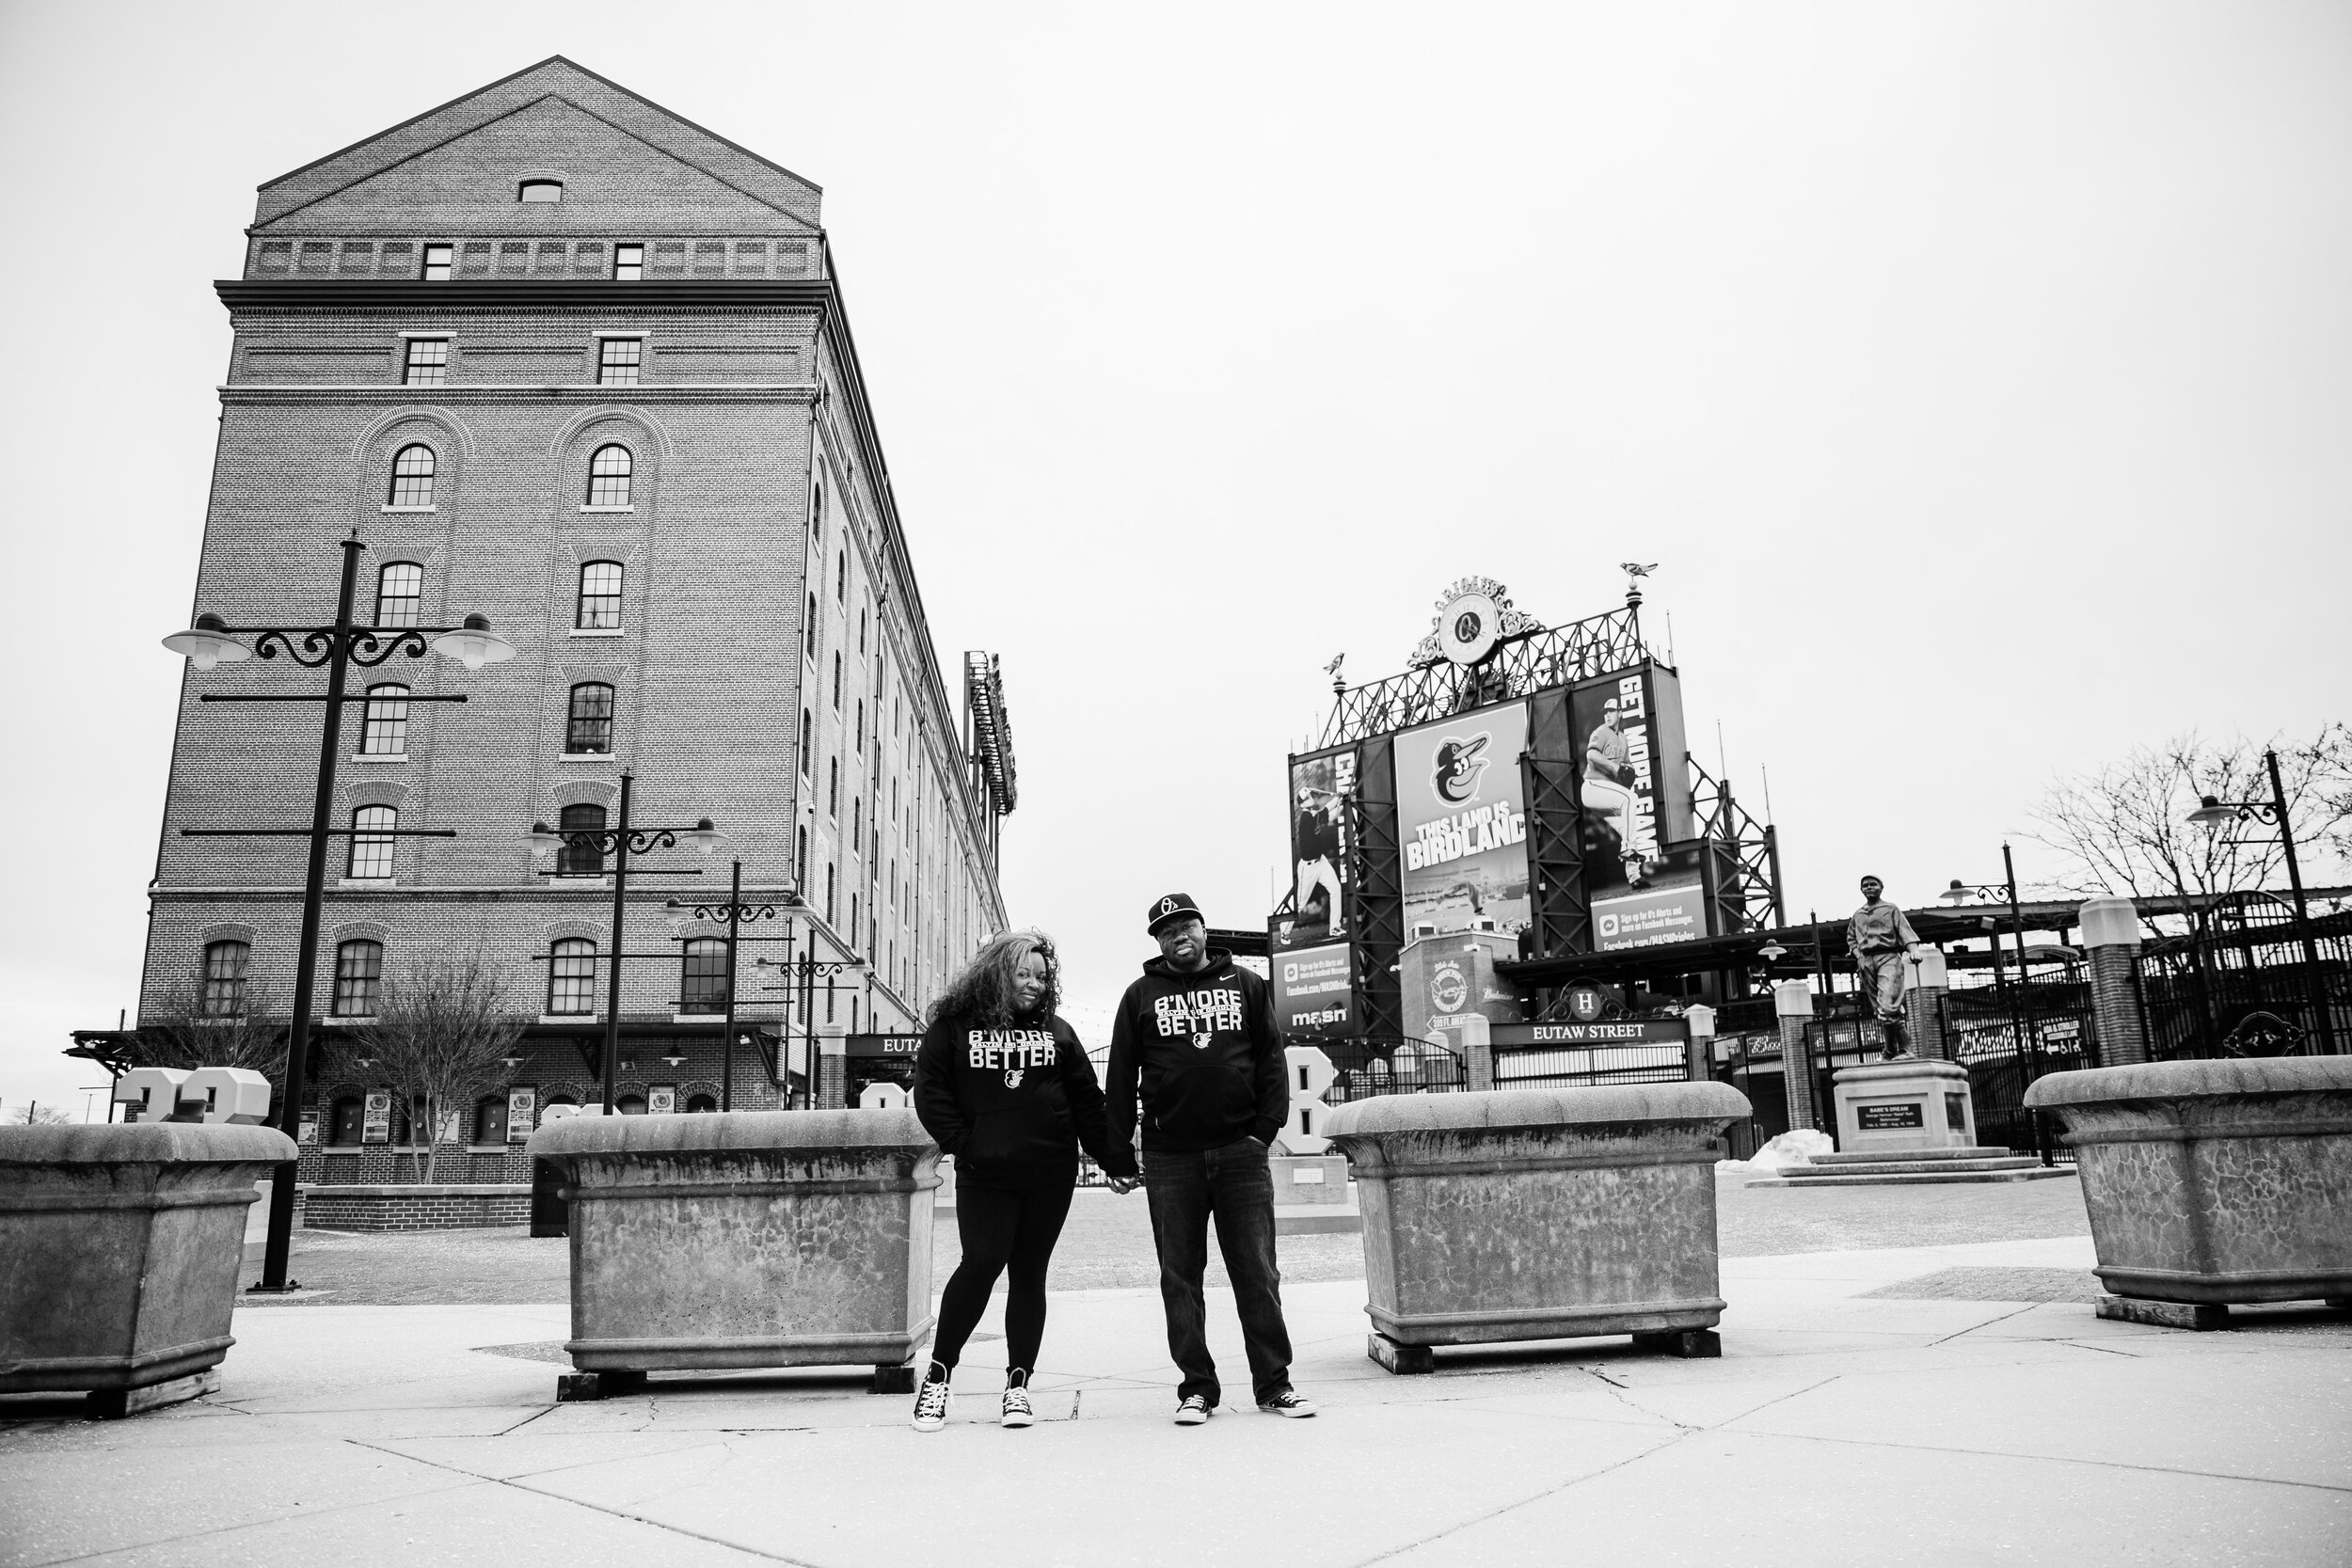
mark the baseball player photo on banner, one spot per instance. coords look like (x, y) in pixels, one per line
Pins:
(1462, 821)
(1321, 788)
(1631, 777)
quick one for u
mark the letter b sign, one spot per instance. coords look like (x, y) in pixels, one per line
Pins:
(1311, 1077)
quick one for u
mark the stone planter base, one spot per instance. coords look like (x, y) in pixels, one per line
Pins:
(1538, 1215)
(121, 1246)
(2213, 1183)
(745, 1239)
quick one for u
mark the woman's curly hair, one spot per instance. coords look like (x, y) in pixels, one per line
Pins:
(981, 993)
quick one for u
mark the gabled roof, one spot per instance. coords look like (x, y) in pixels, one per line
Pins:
(767, 184)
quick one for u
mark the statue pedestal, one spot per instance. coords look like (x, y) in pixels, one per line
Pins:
(1913, 1102)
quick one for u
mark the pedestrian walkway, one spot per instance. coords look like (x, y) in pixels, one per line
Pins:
(1878, 1408)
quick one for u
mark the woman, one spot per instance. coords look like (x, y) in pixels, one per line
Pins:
(1002, 1083)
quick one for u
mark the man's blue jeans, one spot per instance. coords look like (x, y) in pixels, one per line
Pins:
(1234, 1184)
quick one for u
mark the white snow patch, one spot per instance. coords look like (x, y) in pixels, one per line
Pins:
(1789, 1148)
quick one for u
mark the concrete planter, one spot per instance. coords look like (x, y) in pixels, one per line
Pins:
(121, 1247)
(751, 1239)
(1539, 1215)
(2211, 1183)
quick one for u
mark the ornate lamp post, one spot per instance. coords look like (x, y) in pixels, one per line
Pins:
(2215, 815)
(620, 842)
(800, 976)
(1959, 892)
(212, 643)
(736, 911)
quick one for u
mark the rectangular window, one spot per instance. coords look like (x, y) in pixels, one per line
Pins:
(398, 592)
(436, 262)
(572, 978)
(618, 360)
(703, 986)
(224, 978)
(386, 730)
(358, 979)
(428, 362)
(600, 596)
(628, 262)
(372, 842)
(589, 727)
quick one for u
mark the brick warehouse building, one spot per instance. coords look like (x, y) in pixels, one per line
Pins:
(567, 360)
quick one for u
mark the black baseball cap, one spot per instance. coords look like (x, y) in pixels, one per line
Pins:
(1176, 906)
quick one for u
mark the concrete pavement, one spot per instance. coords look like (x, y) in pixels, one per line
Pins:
(1847, 1423)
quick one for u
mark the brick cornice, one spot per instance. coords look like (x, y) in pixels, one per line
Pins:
(526, 293)
(524, 393)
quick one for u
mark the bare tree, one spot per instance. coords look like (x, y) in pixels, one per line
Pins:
(176, 1031)
(442, 1033)
(2126, 825)
(36, 1115)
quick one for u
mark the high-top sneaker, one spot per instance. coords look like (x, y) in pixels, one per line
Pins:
(930, 1400)
(1017, 1412)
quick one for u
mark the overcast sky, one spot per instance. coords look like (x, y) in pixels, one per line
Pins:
(1979, 375)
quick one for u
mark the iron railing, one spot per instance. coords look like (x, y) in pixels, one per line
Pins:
(1550, 655)
(2237, 984)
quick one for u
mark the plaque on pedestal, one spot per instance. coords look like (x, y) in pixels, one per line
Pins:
(1912, 1102)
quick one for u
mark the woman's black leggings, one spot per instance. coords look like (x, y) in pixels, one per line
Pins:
(1001, 1230)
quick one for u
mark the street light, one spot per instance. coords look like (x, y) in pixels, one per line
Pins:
(1961, 893)
(2215, 814)
(802, 974)
(736, 911)
(212, 643)
(620, 842)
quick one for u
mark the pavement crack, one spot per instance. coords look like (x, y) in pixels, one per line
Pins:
(1681, 1434)
(524, 1421)
(2103, 1350)
(1779, 1399)
(2064, 1459)
(1987, 1324)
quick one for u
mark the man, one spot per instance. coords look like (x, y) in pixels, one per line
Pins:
(1194, 1039)
(1608, 786)
(1315, 838)
(1879, 936)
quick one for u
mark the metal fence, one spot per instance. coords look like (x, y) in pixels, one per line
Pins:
(2010, 1035)
(1529, 1067)
(2238, 984)
(1368, 1065)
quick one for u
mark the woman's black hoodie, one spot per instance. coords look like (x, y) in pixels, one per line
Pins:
(1014, 1105)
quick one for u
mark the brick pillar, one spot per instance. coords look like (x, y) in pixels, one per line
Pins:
(1923, 1005)
(2110, 928)
(1792, 1002)
(830, 1089)
(1698, 1059)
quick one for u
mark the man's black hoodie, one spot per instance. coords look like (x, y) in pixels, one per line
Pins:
(1012, 1104)
(1200, 1048)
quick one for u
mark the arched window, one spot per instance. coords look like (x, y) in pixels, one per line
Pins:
(398, 592)
(836, 680)
(832, 786)
(808, 735)
(384, 732)
(372, 842)
(599, 596)
(588, 727)
(809, 627)
(412, 476)
(816, 505)
(832, 908)
(586, 858)
(224, 978)
(630, 1104)
(489, 1119)
(539, 190)
(358, 979)
(572, 978)
(703, 981)
(608, 476)
(861, 724)
(347, 1122)
(841, 581)
(696, 1104)
(800, 861)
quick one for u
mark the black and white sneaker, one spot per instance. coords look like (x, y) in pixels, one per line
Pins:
(1192, 1410)
(930, 1400)
(1017, 1412)
(1288, 1402)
